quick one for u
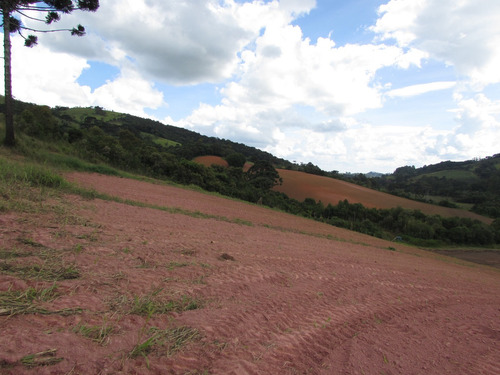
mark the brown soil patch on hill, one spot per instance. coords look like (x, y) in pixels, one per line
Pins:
(300, 185)
(208, 161)
(206, 285)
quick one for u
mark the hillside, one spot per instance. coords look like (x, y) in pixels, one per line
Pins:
(472, 183)
(300, 185)
(92, 139)
(150, 278)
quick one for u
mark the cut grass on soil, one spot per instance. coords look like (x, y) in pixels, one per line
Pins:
(148, 305)
(49, 271)
(152, 303)
(45, 358)
(97, 333)
(164, 341)
(27, 302)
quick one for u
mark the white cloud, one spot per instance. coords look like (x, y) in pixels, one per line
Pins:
(465, 34)
(129, 93)
(420, 89)
(278, 90)
(285, 72)
(479, 126)
(181, 42)
(44, 77)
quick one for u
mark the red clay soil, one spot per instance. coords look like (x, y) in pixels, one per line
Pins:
(275, 294)
(209, 160)
(300, 185)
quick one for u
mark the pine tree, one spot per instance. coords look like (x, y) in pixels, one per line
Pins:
(53, 10)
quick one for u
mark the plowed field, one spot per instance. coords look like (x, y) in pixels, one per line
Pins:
(300, 185)
(189, 283)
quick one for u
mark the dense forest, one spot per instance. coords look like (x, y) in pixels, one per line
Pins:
(161, 151)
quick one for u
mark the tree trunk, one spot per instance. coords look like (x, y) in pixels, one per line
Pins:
(9, 112)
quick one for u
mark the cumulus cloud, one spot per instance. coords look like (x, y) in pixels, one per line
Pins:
(285, 71)
(479, 126)
(178, 41)
(278, 90)
(129, 93)
(44, 77)
(465, 34)
(50, 78)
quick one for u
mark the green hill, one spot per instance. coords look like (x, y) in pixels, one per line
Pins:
(92, 139)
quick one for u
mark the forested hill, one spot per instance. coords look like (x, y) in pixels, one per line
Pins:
(112, 141)
(73, 121)
(190, 144)
(474, 184)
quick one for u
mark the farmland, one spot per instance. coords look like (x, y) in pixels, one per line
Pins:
(300, 185)
(169, 280)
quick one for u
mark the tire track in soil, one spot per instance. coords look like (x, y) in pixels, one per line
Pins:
(292, 303)
(312, 331)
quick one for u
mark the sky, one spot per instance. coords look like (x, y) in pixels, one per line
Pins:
(348, 85)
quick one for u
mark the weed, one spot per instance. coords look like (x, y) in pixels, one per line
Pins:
(119, 276)
(188, 252)
(169, 340)
(49, 270)
(78, 248)
(126, 250)
(45, 358)
(221, 345)
(98, 334)
(145, 263)
(152, 303)
(25, 302)
(242, 222)
(200, 280)
(173, 265)
(30, 242)
(6, 254)
(92, 237)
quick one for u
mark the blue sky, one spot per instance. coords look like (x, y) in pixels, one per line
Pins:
(349, 85)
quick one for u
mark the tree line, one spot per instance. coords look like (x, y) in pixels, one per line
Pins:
(120, 145)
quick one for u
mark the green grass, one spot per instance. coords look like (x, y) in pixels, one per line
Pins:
(74, 163)
(160, 141)
(29, 174)
(79, 114)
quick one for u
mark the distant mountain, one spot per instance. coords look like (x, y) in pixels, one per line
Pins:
(373, 174)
